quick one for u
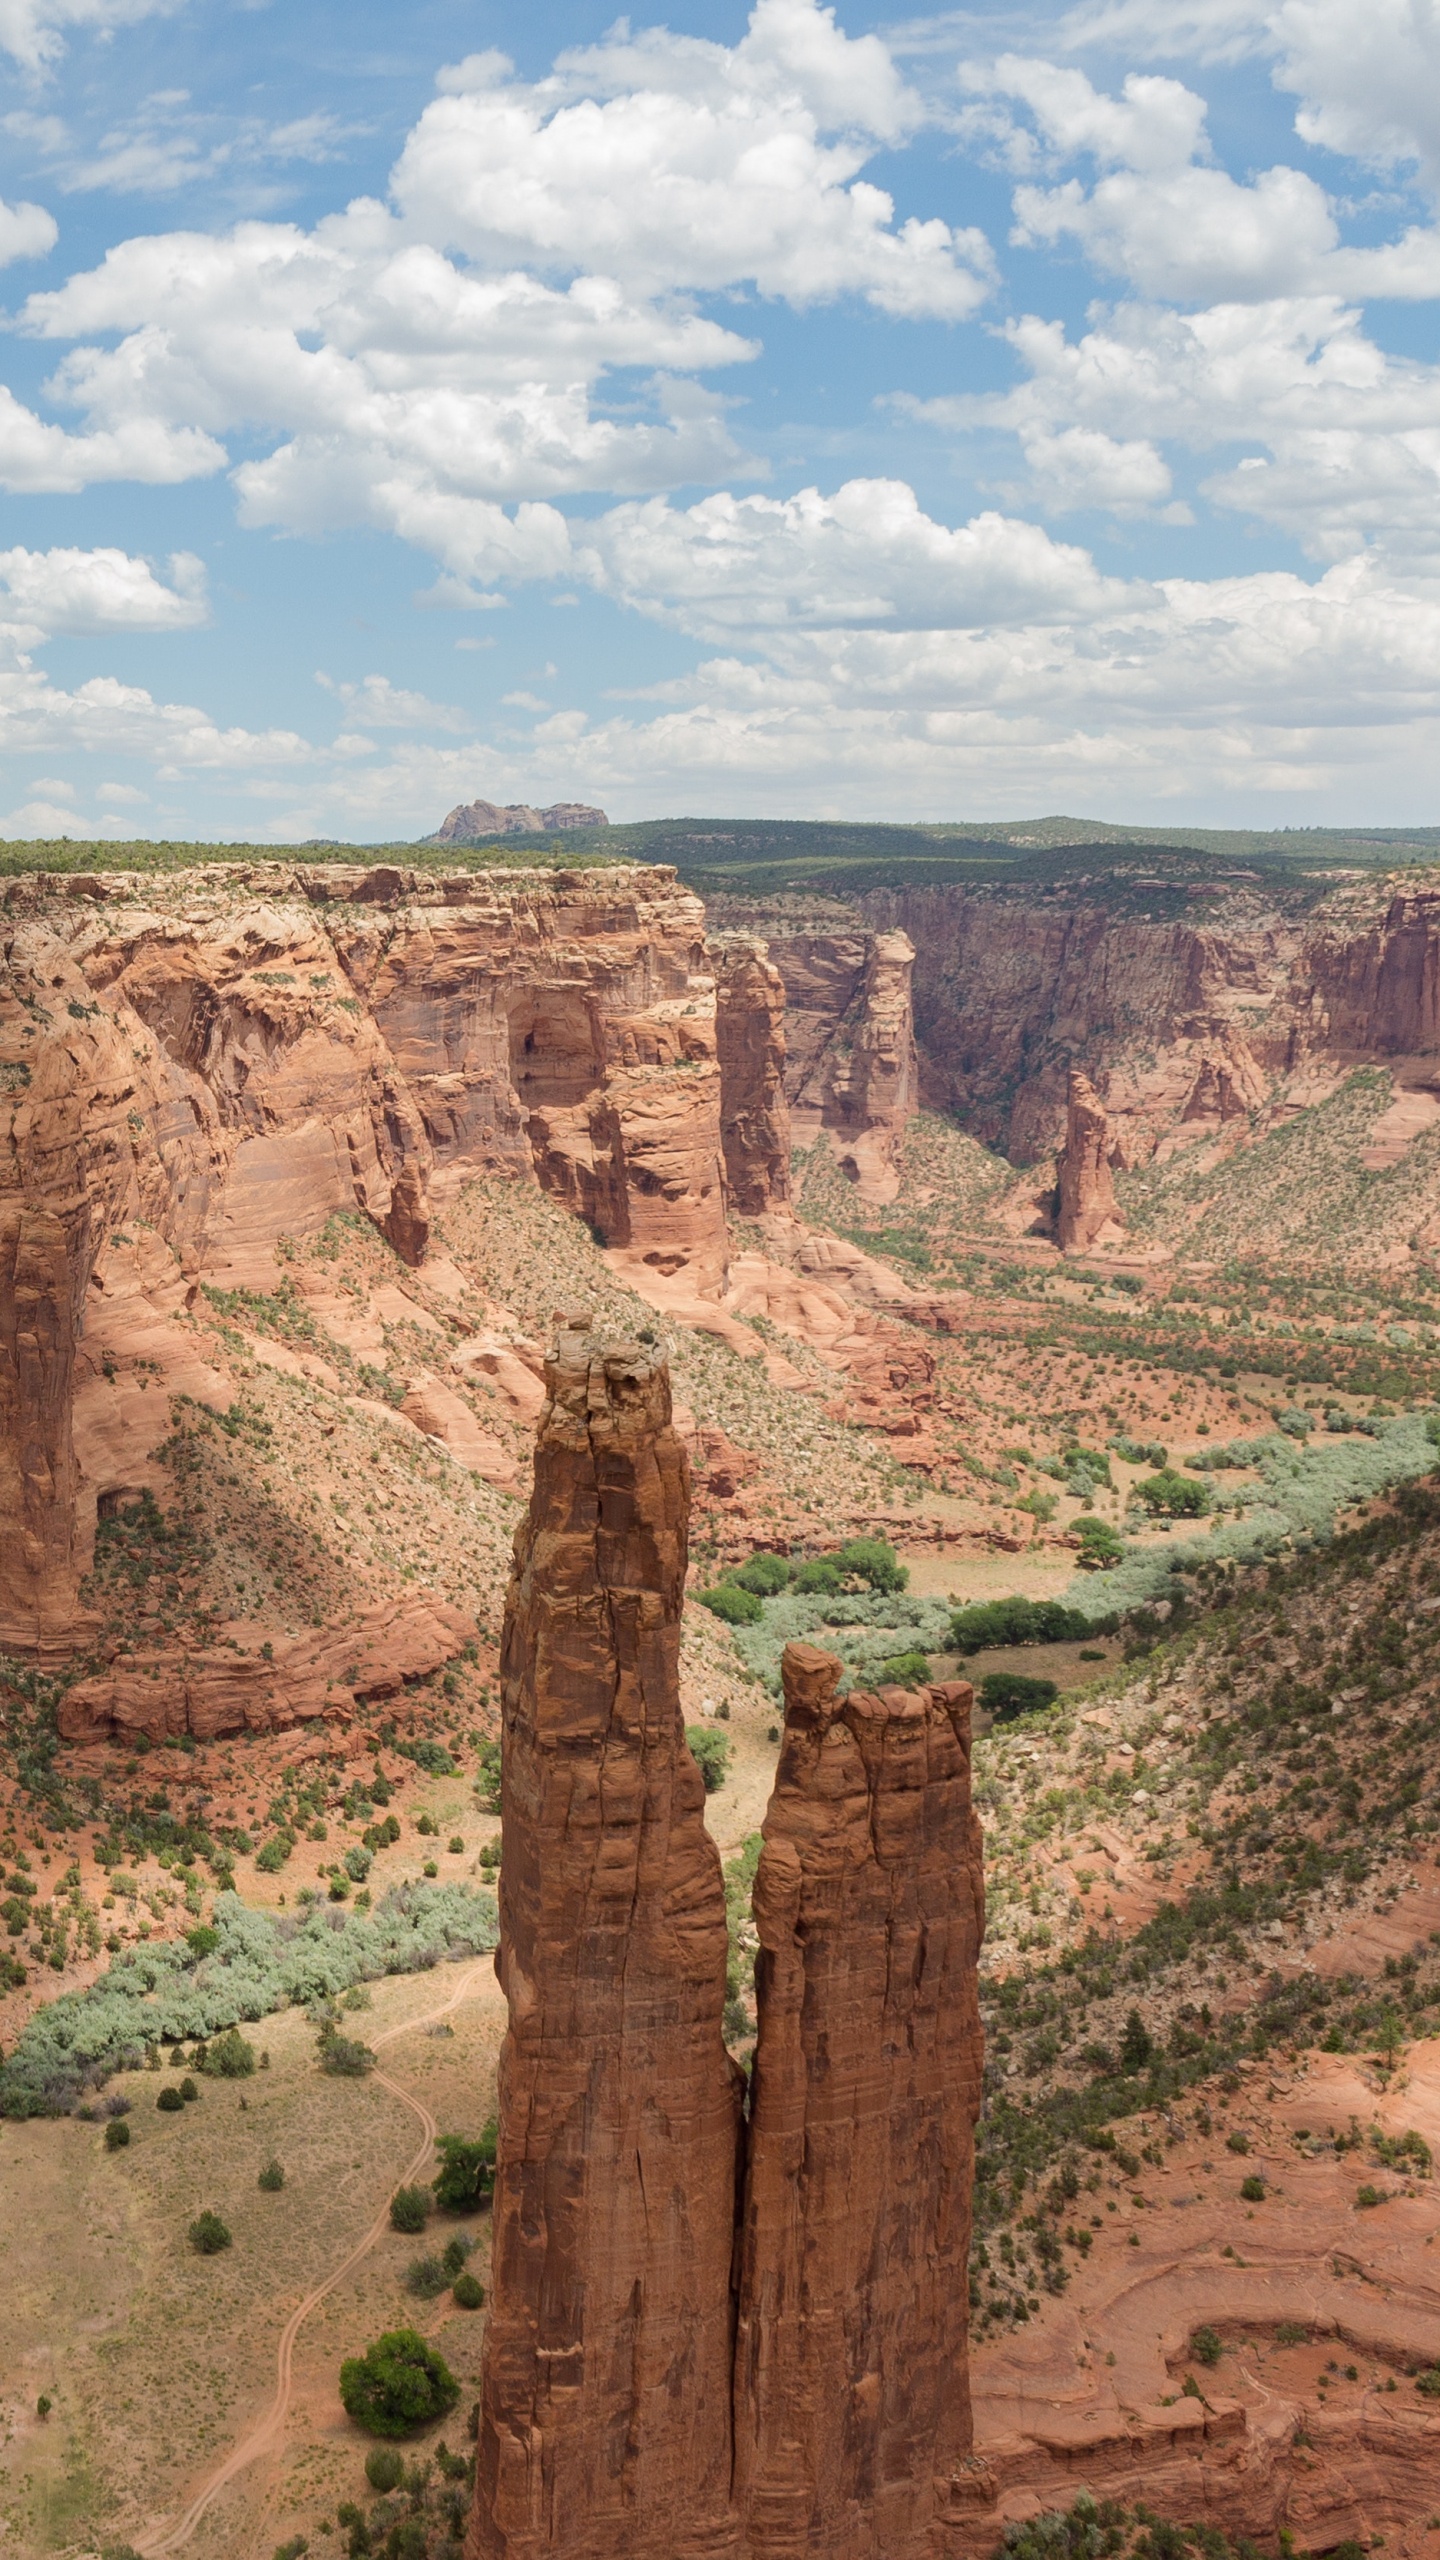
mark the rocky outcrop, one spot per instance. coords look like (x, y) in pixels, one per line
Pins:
(851, 1039)
(475, 821)
(164, 1695)
(612, 2359)
(223, 1059)
(754, 1112)
(1087, 1210)
(605, 2423)
(852, 2400)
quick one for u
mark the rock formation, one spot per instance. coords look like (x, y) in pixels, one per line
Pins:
(477, 820)
(221, 1059)
(851, 1040)
(612, 2360)
(750, 1042)
(852, 2399)
(1087, 1203)
(605, 2425)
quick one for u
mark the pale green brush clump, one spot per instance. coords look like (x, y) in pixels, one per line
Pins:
(260, 1962)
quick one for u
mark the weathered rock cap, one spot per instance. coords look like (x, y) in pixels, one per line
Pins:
(811, 1679)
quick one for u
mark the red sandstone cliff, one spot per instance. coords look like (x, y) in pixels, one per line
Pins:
(475, 820)
(605, 2430)
(217, 1060)
(754, 1113)
(1087, 1202)
(850, 1035)
(851, 2390)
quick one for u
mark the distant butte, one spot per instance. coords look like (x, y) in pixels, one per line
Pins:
(475, 821)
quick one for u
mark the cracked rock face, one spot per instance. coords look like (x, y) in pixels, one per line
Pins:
(605, 2414)
(851, 2385)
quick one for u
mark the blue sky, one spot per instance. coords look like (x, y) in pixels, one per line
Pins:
(797, 411)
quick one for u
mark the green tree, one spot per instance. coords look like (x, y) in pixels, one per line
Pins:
(208, 2234)
(1135, 2044)
(231, 2056)
(737, 1607)
(467, 2170)
(398, 2385)
(711, 1753)
(1006, 1694)
(409, 2209)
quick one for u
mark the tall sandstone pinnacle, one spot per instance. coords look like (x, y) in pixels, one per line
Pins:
(605, 2429)
(852, 2405)
(625, 2414)
(750, 1045)
(1087, 1203)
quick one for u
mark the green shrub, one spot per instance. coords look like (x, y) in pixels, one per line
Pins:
(274, 1854)
(468, 2292)
(271, 2178)
(466, 2176)
(117, 2134)
(202, 1941)
(876, 1562)
(762, 1573)
(384, 2469)
(487, 1784)
(1099, 1545)
(409, 2209)
(711, 1753)
(1366, 2197)
(229, 2056)
(344, 2057)
(1429, 2382)
(357, 1864)
(1139, 1453)
(426, 2278)
(208, 2234)
(455, 2253)
(1291, 2333)
(1136, 2047)
(728, 1601)
(1206, 2346)
(188, 2091)
(904, 1670)
(1237, 2142)
(170, 2101)
(818, 1574)
(1006, 1694)
(430, 1756)
(990, 1623)
(1169, 1495)
(455, 1845)
(1253, 2189)
(399, 2384)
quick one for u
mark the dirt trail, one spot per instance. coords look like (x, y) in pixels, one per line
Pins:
(268, 2431)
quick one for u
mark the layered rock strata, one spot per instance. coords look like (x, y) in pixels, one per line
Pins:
(851, 2385)
(476, 820)
(754, 1112)
(605, 2428)
(223, 1059)
(1087, 1209)
(612, 2357)
(850, 1038)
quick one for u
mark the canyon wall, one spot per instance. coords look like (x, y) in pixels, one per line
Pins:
(851, 2392)
(605, 2428)
(851, 1066)
(221, 1059)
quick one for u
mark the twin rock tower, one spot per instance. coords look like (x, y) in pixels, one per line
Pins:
(713, 2335)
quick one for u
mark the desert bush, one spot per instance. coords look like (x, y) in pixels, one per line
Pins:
(904, 1670)
(357, 1864)
(274, 1854)
(818, 1573)
(1139, 1453)
(426, 2278)
(428, 1755)
(208, 2235)
(1006, 1694)
(455, 2253)
(271, 2178)
(117, 2134)
(711, 1753)
(344, 2057)
(989, 1623)
(729, 1602)
(1170, 1495)
(762, 1573)
(170, 2102)
(1100, 1546)
(188, 2091)
(409, 2209)
(162, 1990)
(230, 2056)
(1206, 2346)
(467, 2170)
(399, 2384)
(384, 2469)
(1252, 2189)
(876, 1562)
(468, 2292)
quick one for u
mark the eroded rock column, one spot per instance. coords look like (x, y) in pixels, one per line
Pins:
(605, 2430)
(754, 1114)
(852, 2409)
(1087, 1206)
